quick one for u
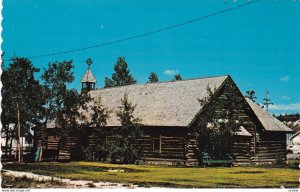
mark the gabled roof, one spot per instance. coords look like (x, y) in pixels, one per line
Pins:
(160, 104)
(268, 121)
(88, 77)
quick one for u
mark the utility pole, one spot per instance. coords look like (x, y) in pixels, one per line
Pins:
(267, 101)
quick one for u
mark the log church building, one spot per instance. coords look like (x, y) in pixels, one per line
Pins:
(168, 112)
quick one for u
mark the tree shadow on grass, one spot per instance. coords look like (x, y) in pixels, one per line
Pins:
(248, 172)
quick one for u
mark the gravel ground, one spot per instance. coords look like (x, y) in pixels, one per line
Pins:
(68, 183)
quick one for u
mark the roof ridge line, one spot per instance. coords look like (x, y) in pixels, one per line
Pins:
(171, 81)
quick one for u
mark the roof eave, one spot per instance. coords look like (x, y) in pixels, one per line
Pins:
(278, 130)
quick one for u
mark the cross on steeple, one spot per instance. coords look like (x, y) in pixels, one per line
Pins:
(89, 62)
(88, 80)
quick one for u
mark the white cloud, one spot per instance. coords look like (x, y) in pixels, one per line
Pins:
(171, 72)
(291, 106)
(284, 79)
(286, 98)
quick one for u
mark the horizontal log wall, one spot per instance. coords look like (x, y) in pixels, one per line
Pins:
(191, 149)
(271, 148)
(241, 150)
(52, 142)
(70, 150)
(52, 151)
(172, 142)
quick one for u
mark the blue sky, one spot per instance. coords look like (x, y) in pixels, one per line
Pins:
(258, 44)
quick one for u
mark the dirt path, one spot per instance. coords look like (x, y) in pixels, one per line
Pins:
(68, 182)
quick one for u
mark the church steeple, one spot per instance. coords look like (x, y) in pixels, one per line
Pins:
(88, 80)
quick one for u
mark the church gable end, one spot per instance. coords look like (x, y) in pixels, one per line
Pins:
(243, 144)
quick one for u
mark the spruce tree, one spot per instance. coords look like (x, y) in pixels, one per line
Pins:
(99, 150)
(125, 146)
(121, 75)
(152, 78)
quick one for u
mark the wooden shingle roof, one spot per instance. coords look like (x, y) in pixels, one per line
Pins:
(268, 121)
(159, 104)
(88, 77)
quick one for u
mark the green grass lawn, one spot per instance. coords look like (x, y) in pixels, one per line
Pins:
(146, 175)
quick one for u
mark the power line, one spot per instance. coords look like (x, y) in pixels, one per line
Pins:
(145, 34)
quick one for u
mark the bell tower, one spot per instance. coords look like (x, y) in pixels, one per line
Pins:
(88, 80)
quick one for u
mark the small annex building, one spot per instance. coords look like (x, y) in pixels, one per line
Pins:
(296, 138)
(168, 112)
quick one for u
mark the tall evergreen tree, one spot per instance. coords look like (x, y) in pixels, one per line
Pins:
(71, 117)
(99, 150)
(121, 76)
(152, 78)
(125, 144)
